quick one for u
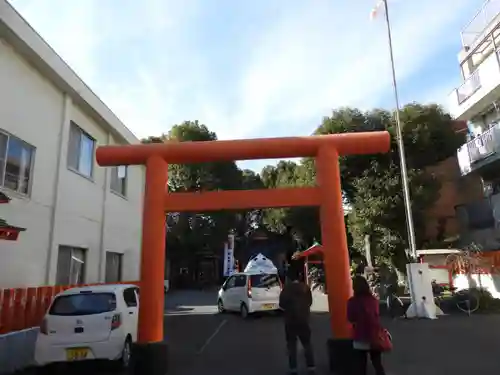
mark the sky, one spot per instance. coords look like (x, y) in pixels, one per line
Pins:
(251, 69)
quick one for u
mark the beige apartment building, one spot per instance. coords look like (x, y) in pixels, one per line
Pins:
(83, 222)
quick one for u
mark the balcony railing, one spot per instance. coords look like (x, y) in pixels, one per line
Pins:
(484, 144)
(479, 148)
(482, 19)
(469, 87)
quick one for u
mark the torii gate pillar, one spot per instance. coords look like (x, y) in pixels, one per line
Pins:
(335, 258)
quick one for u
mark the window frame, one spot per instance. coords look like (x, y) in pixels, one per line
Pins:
(115, 175)
(120, 271)
(68, 271)
(240, 281)
(229, 281)
(33, 150)
(132, 290)
(82, 133)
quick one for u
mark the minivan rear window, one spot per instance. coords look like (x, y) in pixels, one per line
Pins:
(264, 280)
(83, 304)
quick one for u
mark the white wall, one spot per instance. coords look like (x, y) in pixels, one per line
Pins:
(86, 213)
(123, 224)
(23, 262)
(488, 282)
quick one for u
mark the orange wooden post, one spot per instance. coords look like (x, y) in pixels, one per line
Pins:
(333, 235)
(38, 315)
(29, 313)
(49, 293)
(7, 311)
(19, 309)
(151, 307)
(336, 258)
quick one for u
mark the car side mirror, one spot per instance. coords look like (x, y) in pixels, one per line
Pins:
(224, 286)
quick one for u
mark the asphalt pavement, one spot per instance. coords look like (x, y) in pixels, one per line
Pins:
(226, 345)
(203, 342)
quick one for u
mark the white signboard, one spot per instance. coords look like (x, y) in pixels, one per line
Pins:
(228, 260)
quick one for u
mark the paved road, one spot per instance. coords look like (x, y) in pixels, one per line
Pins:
(205, 343)
(454, 344)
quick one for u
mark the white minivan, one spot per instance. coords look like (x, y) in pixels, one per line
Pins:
(249, 292)
(89, 323)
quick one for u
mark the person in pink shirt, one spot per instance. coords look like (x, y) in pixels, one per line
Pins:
(363, 313)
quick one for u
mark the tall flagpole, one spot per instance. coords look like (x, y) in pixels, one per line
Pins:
(399, 135)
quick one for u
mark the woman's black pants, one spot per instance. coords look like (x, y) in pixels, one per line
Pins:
(361, 362)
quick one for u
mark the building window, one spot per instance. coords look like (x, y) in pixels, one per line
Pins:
(70, 266)
(80, 151)
(119, 180)
(16, 163)
(113, 267)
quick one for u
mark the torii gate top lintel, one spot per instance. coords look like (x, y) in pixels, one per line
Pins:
(247, 149)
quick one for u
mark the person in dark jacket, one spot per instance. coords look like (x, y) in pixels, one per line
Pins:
(296, 301)
(363, 313)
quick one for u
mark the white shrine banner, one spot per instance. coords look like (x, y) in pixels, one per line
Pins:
(228, 260)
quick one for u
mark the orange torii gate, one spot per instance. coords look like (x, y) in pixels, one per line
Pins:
(149, 354)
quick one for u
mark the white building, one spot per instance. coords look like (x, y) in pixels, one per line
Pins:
(477, 101)
(83, 222)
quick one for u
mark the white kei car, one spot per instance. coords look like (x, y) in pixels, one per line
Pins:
(90, 323)
(249, 292)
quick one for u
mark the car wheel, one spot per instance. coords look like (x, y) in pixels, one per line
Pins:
(244, 311)
(220, 306)
(126, 354)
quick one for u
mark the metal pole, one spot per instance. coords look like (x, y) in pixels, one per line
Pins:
(404, 173)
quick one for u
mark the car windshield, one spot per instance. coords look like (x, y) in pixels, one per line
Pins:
(83, 304)
(264, 280)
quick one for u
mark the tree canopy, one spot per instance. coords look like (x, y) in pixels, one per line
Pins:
(371, 184)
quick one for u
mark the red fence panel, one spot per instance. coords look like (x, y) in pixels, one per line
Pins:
(23, 308)
(7, 311)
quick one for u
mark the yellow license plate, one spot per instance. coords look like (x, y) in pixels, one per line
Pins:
(77, 354)
(268, 306)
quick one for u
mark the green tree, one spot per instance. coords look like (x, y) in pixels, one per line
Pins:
(197, 231)
(372, 183)
(301, 222)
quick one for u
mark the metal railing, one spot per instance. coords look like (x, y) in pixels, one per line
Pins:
(478, 24)
(484, 144)
(479, 148)
(469, 87)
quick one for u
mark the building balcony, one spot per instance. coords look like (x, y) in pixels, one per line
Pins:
(478, 91)
(481, 23)
(480, 152)
(480, 64)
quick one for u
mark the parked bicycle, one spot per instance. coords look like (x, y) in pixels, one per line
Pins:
(395, 305)
(465, 300)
